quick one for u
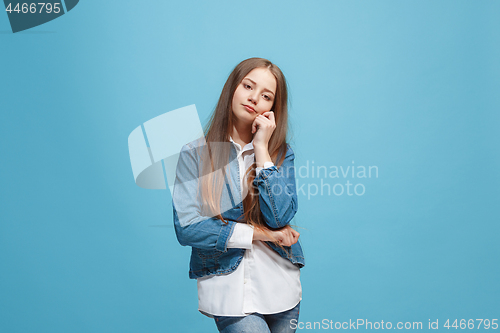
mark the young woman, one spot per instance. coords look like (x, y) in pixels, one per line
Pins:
(233, 200)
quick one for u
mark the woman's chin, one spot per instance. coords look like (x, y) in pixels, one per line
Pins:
(245, 121)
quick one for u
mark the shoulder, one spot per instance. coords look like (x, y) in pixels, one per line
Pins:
(200, 142)
(193, 148)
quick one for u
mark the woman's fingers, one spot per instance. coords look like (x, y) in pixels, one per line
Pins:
(267, 119)
(294, 235)
(291, 236)
(286, 236)
(254, 125)
(270, 115)
(281, 237)
(259, 121)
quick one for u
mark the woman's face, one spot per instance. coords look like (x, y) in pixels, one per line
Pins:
(254, 95)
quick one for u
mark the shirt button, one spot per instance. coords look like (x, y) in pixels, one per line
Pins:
(245, 281)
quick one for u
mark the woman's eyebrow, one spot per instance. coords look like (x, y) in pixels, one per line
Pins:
(256, 84)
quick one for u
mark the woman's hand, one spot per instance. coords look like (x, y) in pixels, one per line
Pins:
(263, 127)
(285, 236)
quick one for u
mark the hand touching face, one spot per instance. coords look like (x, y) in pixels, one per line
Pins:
(263, 127)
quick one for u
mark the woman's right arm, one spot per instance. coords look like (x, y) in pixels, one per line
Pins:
(191, 227)
(244, 234)
(208, 234)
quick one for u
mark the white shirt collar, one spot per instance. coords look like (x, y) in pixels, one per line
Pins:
(248, 146)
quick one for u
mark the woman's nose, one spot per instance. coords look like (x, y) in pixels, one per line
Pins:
(253, 98)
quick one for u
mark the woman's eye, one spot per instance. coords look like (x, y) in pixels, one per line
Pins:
(267, 98)
(246, 86)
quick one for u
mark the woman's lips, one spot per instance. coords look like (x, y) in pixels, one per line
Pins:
(249, 108)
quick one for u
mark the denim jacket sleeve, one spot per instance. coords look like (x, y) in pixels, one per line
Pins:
(277, 192)
(191, 227)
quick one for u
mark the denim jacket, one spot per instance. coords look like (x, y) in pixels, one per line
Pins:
(208, 236)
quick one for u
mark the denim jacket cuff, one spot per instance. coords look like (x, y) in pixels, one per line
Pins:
(225, 233)
(264, 173)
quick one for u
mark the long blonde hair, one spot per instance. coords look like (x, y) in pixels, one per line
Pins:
(219, 129)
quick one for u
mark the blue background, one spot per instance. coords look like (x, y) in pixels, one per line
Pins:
(411, 87)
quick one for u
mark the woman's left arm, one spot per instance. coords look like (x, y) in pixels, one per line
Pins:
(276, 187)
(277, 192)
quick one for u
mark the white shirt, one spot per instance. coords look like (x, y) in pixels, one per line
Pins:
(263, 282)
